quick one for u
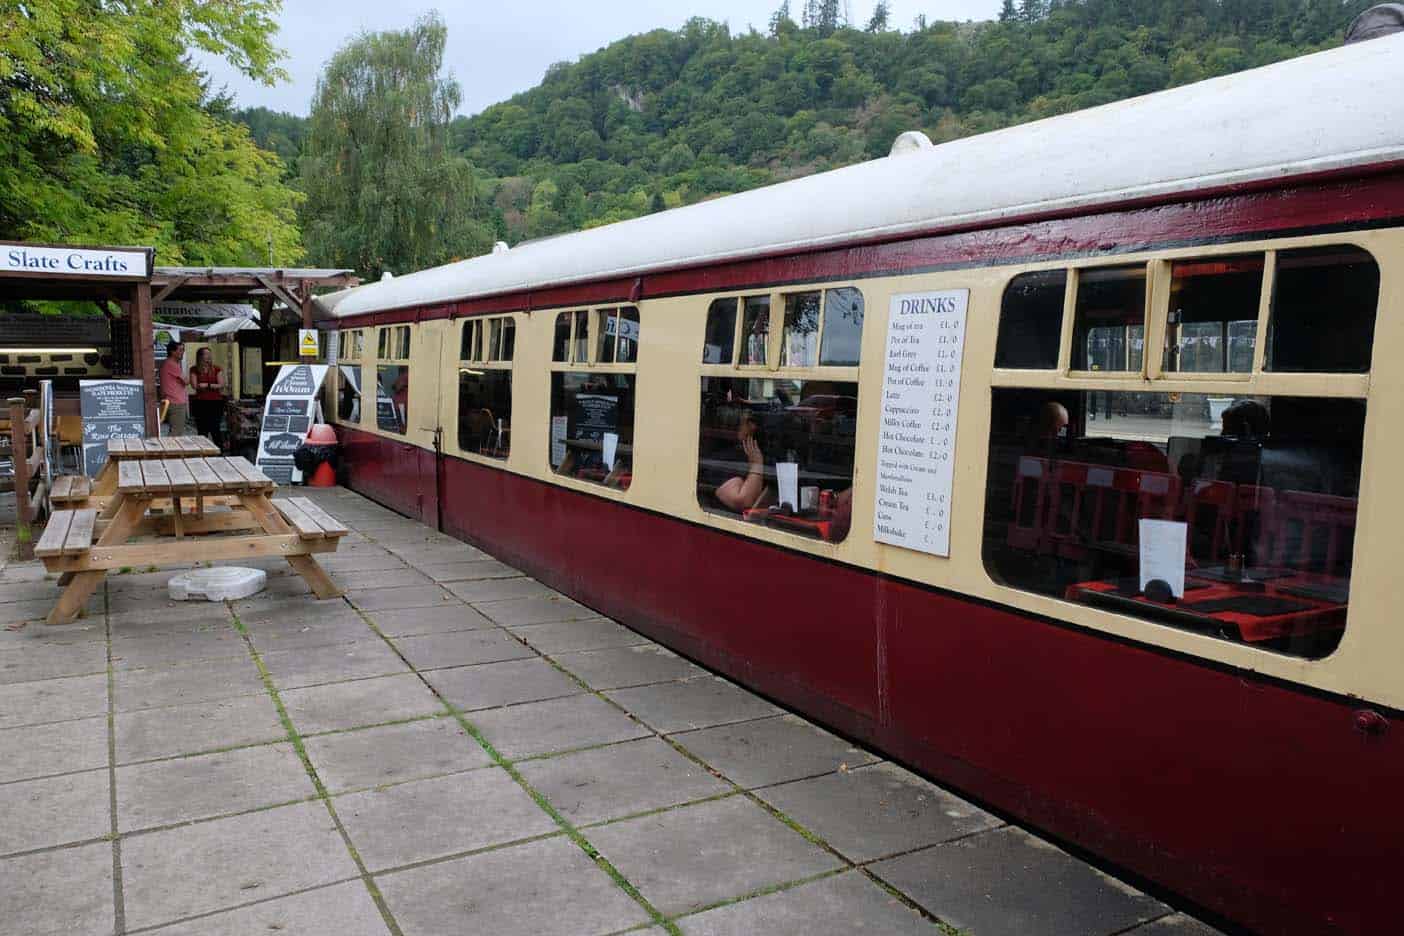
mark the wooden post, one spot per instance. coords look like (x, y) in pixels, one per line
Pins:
(307, 305)
(19, 455)
(144, 342)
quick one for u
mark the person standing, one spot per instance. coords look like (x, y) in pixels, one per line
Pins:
(207, 380)
(174, 389)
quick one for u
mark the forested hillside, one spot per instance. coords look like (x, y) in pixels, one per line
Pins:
(672, 117)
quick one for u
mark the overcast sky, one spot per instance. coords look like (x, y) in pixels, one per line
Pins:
(499, 47)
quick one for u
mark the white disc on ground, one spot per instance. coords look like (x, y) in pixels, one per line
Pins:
(222, 583)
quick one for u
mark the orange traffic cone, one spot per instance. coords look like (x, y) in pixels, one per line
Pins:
(324, 476)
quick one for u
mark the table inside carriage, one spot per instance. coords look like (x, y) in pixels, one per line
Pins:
(1255, 605)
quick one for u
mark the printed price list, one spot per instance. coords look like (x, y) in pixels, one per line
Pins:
(920, 400)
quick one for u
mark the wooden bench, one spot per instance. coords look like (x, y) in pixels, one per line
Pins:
(69, 533)
(71, 491)
(310, 521)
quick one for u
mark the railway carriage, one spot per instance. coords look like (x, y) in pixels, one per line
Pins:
(1056, 462)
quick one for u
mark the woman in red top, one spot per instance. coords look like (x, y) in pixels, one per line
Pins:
(207, 405)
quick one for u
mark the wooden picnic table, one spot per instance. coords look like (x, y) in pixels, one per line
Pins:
(84, 544)
(125, 450)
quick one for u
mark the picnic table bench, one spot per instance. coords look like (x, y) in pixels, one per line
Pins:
(84, 544)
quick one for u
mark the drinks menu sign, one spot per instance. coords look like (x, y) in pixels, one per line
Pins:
(920, 399)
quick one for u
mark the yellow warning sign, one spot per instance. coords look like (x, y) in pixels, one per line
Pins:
(307, 345)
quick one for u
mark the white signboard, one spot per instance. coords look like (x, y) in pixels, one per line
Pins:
(287, 415)
(74, 261)
(920, 399)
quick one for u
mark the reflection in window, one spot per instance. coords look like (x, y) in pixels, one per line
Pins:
(619, 337)
(843, 327)
(560, 344)
(1323, 311)
(800, 347)
(592, 427)
(1213, 320)
(1109, 325)
(720, 338)
(1261, 490)
(749, 426)
(348, 401)
(485, 411)
(582, 338)
(506, 345)
(392, 397)
(755, 330)
(1031, 321)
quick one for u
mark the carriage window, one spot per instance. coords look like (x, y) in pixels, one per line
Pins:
(392, 375)
(718, 345)
(1031, 321)
(1212, 325)
(1109, 325)
(560, 345)
(1323, 311)
(350, 346)
(842, 343)
(619, 337)
(592, 427)
(1249, 503)
(485, 387)
(753, 430)
(800, 347)
(581, 347)
(755, 330)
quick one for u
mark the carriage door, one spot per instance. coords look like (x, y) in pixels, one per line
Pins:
(438, 353)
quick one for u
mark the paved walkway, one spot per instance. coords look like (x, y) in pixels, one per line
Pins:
(455, 749)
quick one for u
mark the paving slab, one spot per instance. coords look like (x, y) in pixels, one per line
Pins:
(545, 888)
(435, 818)
(620, 780)
(369, 757)
(359, 702)
(695, 703)
(49, 661)
(344, 626)
(556, 725)
(188, 788)
(43, 750)
(1176, 924)
(401, 577)
(193, 729)
(695, 856)
(343, 909)
(501, 589)
(58, 893)
(411, 596)
(35, 609)
(833, 906)
(39, 590)
(773, 750)
(54, 811)
(461, 648)
(421, 551)
(628, 666)
(143, 652)
(508, 683)
(364, 560)
(289, 612)
(445, 618)
(330, 663)
(172, 874)
(473, 570)
(540, 610)
(151, 616)
(52, 700)
(1007, 882)
(185, 684)
(38, 634)
(877, 811)
(588, 634)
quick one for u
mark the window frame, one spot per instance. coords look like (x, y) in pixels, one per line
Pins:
(1152, 376)
(489, 359)
(595, 318)
(846, 373)
(356, 342)
(388, 337)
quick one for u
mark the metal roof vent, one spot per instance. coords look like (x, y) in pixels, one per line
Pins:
(1380, 20)
(387, 275)
(913, 141)
(500, 247)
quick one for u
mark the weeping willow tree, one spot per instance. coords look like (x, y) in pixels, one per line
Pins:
(384, 192)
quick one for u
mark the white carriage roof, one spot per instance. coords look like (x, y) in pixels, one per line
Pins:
(1331, 110)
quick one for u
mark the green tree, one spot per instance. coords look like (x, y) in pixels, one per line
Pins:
(878, 21)
(109, 135)
(384, 192)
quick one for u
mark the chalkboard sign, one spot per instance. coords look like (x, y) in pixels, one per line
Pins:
(112, 409)
(287, 413)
